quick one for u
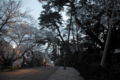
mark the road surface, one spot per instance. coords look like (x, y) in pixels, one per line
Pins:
(39, 73)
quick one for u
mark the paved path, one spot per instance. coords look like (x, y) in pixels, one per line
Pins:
(41, 73)
(68, 74)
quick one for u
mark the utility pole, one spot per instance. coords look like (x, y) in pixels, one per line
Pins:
(108, 36)
(106, 47)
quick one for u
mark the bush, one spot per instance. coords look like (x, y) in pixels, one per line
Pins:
(96, 72)
(89, 67)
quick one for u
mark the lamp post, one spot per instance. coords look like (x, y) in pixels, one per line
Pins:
(43, 60)
(14, 46)
(17, 52)
(3, 48)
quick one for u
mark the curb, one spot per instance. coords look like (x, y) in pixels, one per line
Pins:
(53, 74)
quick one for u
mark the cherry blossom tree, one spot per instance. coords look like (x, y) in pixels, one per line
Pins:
(10, 13)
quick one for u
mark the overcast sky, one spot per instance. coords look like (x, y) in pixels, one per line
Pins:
(32, 5)
(35, 8)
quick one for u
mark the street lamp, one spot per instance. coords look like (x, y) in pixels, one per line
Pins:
(14, 46)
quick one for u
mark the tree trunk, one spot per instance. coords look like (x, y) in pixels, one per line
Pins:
(23, 62)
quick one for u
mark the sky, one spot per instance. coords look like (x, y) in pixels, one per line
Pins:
(36, 8)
